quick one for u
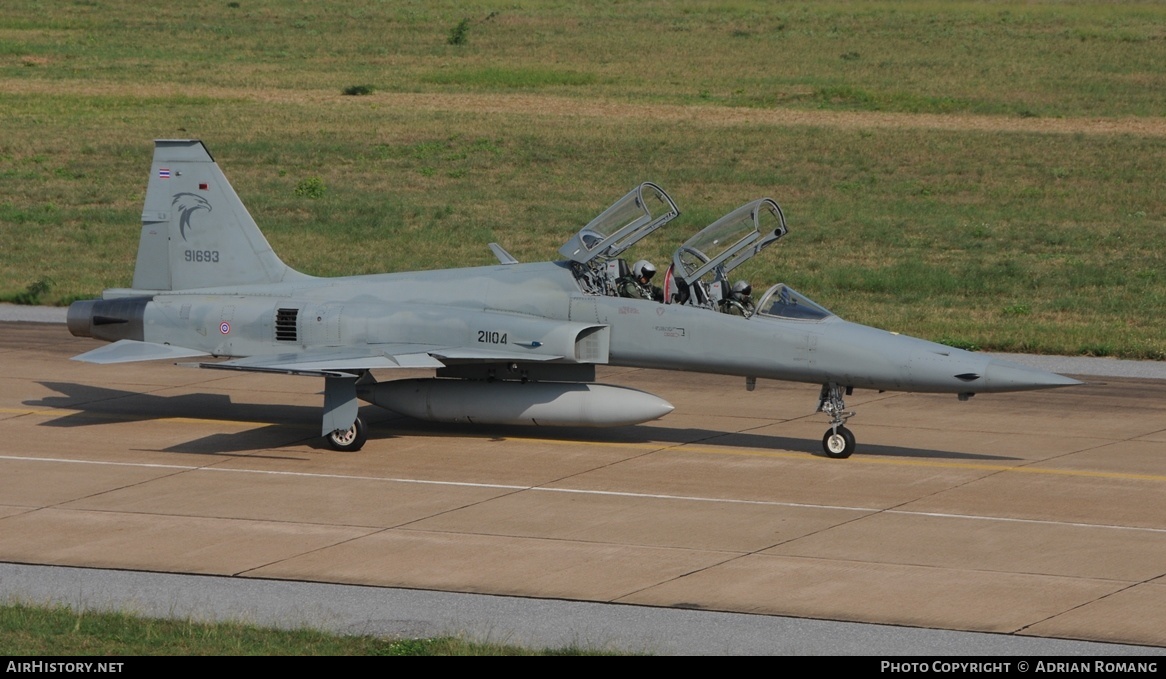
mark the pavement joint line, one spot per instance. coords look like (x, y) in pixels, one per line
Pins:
(582, 491)
(1080, 606)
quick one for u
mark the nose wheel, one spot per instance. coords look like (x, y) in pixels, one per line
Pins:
(838, 442)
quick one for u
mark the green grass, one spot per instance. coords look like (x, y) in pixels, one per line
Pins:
(38, 631)
(1057, 58)
(544, 113)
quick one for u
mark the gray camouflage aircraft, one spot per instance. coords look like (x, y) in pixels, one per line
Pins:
(511, 343)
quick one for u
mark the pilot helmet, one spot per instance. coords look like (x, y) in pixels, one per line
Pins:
(643, 269)
(742, 288)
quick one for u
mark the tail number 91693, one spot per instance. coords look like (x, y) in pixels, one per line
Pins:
(202, 256)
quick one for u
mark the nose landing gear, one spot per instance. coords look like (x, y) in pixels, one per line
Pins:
(839, 441)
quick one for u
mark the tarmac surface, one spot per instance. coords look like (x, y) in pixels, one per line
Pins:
(1026, 519)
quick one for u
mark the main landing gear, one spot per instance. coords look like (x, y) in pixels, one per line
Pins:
(351, 439)
(839, 441)
(342, 407)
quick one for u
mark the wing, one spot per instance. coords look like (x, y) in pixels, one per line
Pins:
(349, 361)
(329, 361)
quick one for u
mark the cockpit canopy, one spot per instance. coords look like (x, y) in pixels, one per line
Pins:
(782, 301)
(643, 210)
(700, 267)
(730, 241)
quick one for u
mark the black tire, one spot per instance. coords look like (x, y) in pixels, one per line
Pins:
(351, 439)
(838, 446)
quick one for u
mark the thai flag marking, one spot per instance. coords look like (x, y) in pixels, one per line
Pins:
(163, 173)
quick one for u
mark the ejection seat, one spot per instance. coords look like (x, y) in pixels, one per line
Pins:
(699, 275)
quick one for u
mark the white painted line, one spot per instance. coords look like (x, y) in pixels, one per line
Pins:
(582, 491)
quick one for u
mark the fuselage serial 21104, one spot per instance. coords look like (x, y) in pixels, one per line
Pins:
(512, 343)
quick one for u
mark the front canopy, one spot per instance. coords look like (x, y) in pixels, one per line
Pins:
(782, 301)
(730, 241)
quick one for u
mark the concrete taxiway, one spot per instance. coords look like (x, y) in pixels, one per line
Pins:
(1035, 514)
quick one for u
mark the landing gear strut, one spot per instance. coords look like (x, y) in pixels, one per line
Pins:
(351, 439)
(839, 441)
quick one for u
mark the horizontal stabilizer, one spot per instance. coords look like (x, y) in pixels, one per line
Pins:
(128, 351)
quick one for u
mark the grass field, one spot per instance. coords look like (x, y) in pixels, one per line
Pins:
(49, 634)
(988, 174)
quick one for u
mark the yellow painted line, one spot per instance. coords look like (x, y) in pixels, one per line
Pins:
(652, 447)
(857, 459)
(23, 411)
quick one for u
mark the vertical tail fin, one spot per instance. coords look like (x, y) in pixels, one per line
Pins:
(196, 233)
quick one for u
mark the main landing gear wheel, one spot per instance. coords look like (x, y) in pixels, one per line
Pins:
(838, 444)
(351, 439)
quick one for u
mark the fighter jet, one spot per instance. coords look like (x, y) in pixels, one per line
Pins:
(511, 343)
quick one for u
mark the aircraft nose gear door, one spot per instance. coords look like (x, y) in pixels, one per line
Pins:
(839, 441)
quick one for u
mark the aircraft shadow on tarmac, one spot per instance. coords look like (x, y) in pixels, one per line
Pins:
(669, 436)
(279, 426)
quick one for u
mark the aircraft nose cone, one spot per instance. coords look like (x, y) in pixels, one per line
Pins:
(1008, 376)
